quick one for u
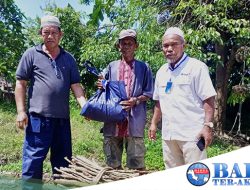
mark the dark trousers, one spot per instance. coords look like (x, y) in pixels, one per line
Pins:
(135, 149)
(42, 134)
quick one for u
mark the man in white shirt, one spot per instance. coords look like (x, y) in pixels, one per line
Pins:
(184, 96)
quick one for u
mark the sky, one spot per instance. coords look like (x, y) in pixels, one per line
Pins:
(32, 8)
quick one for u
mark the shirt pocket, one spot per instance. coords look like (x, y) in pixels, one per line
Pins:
(162, 89)
(183, 85)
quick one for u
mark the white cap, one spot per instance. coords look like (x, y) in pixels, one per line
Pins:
(174, 30)
(49, 20)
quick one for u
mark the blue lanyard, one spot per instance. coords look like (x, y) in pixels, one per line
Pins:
(172, 69)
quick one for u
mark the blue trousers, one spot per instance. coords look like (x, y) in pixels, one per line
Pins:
(42, 134)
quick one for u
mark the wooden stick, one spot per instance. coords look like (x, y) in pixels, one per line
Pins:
(70, 182)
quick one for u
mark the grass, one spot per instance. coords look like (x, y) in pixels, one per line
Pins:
(86, 139)
(10, 139)
(220, 146)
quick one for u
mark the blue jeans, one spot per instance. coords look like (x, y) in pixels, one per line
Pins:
(42, 134)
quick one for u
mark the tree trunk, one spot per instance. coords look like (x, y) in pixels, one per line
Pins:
(222, 76)
(220, 100)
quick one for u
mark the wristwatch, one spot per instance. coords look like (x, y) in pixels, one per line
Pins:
(209, 124)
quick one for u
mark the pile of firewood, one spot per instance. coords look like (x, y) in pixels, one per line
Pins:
(83, 171)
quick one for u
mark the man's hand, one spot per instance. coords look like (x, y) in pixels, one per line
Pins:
(155, 120)
(99, 82)
(78, 91)
(207, 133)
(22, 120)
(128, 104)
(20, 96)
(152, 132)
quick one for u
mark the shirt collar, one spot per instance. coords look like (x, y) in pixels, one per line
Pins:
(182, 60)
(40, 49)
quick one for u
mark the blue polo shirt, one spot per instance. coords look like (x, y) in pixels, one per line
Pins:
(48, 93)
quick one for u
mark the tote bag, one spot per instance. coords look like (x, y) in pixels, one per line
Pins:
(104, 105)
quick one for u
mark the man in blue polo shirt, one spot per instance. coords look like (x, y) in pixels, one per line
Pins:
(50, 72)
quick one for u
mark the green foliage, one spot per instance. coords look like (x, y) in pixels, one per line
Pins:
(234, 99)
(237, 97)
(76, 35)
(97, 13)
(206, 25)
(220, 146)
(214, 30)
(241, 92)
(31, 31)
(72, 26)
(100, 8)
(12, 38)
(100, 47)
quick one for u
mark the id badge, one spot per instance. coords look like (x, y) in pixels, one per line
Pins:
(168, 87)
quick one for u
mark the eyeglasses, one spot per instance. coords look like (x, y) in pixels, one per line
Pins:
(56, 69)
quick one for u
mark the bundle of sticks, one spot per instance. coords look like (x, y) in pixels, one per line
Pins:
(84, 171)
